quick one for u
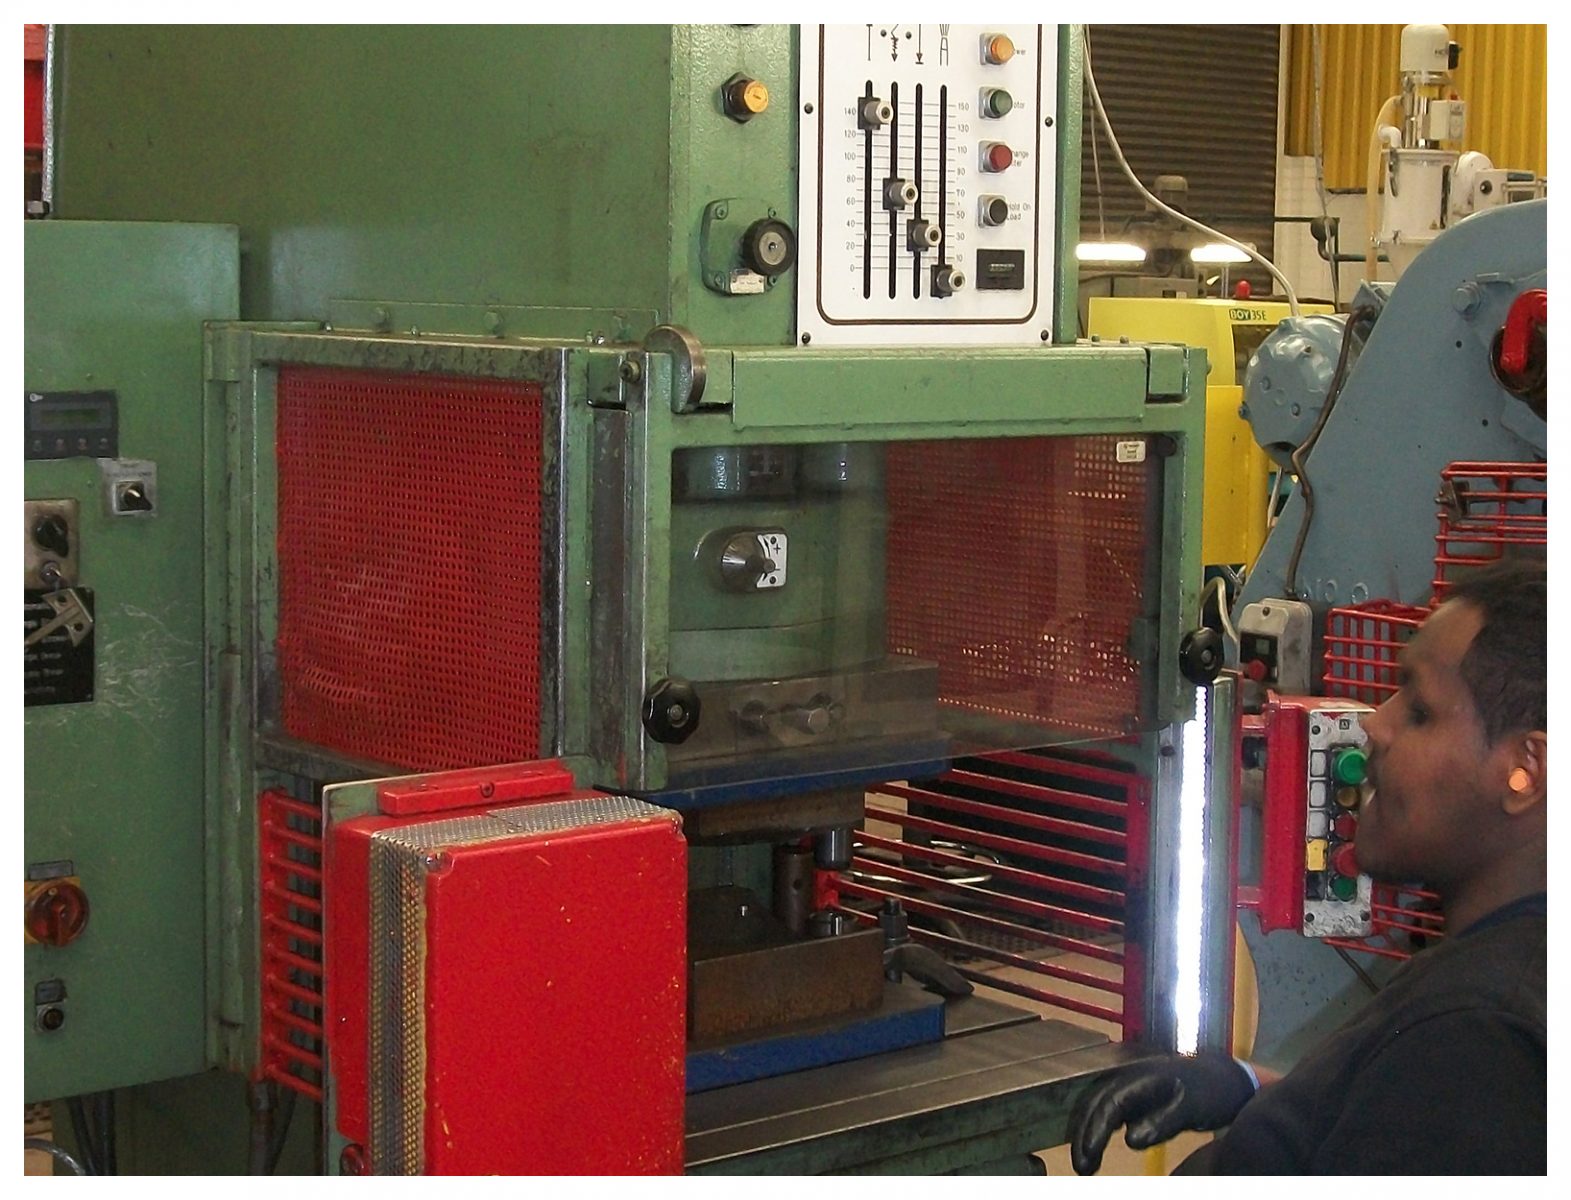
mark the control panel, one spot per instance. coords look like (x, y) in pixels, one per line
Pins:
(928, 186)
(1316, 768)
(1336, 895)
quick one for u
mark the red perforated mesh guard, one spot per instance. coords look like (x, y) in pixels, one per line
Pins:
(409, 572)
(1017, 564)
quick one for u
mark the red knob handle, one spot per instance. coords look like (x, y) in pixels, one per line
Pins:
(57, 913)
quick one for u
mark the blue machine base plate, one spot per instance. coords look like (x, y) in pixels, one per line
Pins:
(909, 1016)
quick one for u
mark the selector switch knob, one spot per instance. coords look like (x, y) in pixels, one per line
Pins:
(53, 534)
(57, 913)
(743, 562)
(992, 211)
(132, 497)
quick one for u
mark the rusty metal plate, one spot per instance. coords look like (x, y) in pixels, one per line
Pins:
(748, 974)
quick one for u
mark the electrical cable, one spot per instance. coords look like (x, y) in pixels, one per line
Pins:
(1363, 976)
(1160, 206)
(1220, 585)
(104, 1120)
(59, 1153)
(82, 1132)
(1338, 380)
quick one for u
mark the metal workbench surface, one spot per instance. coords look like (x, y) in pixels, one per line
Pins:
(999, 1085)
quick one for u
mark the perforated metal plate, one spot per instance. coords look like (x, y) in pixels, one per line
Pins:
(409, 565)
(1017, 565)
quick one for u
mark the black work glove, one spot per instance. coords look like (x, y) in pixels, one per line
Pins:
(1157, 1100)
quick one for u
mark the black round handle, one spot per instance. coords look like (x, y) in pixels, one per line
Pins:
(1200, 655)
(671, 711)
(53, 534)
(769, 247)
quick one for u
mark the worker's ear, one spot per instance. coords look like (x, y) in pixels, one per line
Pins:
(1525, 768)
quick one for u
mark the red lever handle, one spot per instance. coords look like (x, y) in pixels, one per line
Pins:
(1528, 311)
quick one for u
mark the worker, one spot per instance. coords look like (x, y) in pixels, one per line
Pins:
(1444, 1071)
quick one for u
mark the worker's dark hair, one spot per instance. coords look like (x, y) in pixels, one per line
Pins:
(1505, 668)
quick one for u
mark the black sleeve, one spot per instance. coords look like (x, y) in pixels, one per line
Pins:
(1459, 1094)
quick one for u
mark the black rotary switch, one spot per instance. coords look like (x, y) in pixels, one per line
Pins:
(671, 711)
(53, 534)
(769, 247)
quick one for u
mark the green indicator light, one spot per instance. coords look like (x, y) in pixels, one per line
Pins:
(998, 102)
(1351, 767)
(1344, 888)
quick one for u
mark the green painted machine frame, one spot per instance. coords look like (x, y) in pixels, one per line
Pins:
(115, 785)
(475, 236)
(440, 178)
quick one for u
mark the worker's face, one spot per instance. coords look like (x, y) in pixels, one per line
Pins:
(1430, 763)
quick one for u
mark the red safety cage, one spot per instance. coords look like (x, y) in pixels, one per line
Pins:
(1405, 920)
(1031, 861)
(290, 853)
(1488, 511)
(1363, 642)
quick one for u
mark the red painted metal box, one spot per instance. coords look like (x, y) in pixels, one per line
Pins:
(506, 988)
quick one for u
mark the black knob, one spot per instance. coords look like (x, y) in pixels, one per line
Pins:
(671, 711)
(133, 497)
(53, 534)
(769, 247)
(1200, 655)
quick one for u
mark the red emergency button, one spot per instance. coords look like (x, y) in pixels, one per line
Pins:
(1255, 669)
(1344, 861)
(1346, 826)
(996, 156)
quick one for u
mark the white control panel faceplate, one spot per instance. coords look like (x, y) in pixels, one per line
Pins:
(928, 184)
(1333, 729)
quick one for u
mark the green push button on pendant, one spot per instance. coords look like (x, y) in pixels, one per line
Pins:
(1351, 767)
(1344, 888)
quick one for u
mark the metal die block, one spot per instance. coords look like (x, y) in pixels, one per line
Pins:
(897, 696)
(749, 973)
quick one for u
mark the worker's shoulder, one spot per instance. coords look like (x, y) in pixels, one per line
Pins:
(1497, 972)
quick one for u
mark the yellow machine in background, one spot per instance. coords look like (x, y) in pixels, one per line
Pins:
(1237, 473)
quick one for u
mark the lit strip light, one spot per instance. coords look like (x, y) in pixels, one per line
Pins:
(1189, 923)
